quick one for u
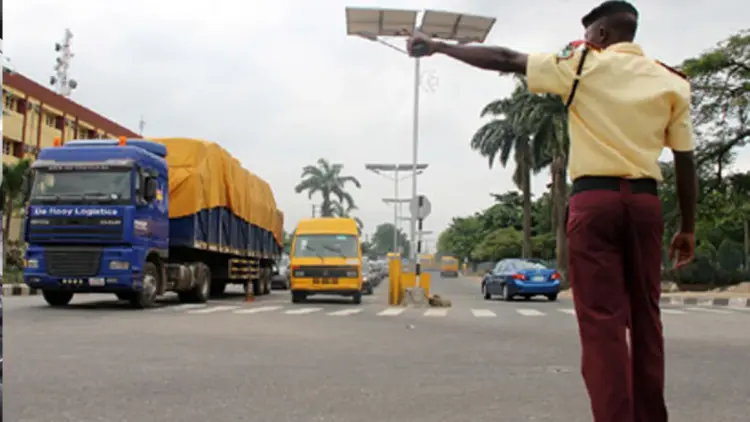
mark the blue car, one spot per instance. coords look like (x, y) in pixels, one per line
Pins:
(511, 278)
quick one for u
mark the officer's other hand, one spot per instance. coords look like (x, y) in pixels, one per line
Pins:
(682, 249)
(426, 46)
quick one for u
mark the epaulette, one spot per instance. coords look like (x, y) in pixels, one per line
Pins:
(673, 70)
(582, 43)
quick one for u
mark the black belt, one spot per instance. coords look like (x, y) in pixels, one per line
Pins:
(587, 183)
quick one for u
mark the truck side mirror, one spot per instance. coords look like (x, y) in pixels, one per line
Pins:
(149, 193)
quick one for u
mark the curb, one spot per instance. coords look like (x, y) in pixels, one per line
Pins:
(19, 290)
(735, 302)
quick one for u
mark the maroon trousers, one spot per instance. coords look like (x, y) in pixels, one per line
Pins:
(614, 263)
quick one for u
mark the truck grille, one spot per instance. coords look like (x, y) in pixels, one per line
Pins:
(73, 262)
(75, 228)
(325, 271)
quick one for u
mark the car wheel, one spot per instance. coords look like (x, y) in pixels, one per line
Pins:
(486, 292)
(552, 297)
(506, 293)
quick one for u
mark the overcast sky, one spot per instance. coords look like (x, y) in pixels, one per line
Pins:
(279, 84)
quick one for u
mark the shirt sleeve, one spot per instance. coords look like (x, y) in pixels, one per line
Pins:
(553, 73)
(679, 136)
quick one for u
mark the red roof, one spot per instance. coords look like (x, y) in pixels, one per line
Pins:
(52, 99)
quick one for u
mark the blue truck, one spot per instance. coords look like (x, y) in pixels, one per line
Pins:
(140, 218)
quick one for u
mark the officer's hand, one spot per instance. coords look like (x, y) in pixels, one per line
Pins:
(682, 249)
(420, 45)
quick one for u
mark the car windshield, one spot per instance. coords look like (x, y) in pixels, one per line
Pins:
(98, 186)
(528, 265)
(326, 245)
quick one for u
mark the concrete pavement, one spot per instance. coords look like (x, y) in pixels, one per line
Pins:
(518, 361)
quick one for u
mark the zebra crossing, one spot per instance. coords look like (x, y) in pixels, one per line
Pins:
(394, 311)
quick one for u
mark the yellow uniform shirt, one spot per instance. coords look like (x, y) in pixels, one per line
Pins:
(626, 109)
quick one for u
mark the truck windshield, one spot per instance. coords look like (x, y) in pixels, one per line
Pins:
(326, 245)
(111, 186)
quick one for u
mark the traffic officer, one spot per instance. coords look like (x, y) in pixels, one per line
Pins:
(623, 109)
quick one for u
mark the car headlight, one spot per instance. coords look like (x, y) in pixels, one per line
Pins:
(32, 263)
(119, 265)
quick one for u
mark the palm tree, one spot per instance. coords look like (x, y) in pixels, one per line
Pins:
(546, 119)
(325, 178)
(14, 177)
(502, 136)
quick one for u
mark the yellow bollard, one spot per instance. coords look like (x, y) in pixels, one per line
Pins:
(394, 281)
(408, 280)
(424, 283)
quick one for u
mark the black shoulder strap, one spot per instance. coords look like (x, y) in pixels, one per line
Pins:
(577, 77)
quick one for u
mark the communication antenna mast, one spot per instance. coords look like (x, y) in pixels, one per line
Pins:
(63, 84)
(141, 126)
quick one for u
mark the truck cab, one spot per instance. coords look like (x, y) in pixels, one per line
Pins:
(98, 221)
(326, 258)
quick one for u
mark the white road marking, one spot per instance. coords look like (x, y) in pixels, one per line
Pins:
(184, 307)
(302, 311)
(672, 311)
(258, 310)
(709, 310)
(483, 313)
(569, 311)
(345, 312)
(530, 312)
(213, 309)
(391, 312)
(436, 312)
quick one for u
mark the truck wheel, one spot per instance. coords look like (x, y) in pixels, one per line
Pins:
(57, 299)
(201, 291)
(257, 287)
(217, 288)
(147, 296)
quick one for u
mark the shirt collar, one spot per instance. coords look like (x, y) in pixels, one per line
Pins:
(627, 48)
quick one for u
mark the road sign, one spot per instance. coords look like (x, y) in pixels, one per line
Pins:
(420, 207)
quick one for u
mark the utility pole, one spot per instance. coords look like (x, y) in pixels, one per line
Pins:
(314, 208)
(61, 81)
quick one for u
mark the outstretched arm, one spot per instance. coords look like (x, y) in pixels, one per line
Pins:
(499, 59)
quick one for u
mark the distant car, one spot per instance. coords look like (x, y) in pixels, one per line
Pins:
(511, 278)
(280, 277)
(368, 284)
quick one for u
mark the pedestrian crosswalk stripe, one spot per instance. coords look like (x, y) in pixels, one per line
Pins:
(436, 312)
(568, 311)
(672, 311)
(258, 310)
(391, 312)
(345, 312)
(184, 307)
(483, 313)
(213, 309)
(709, 310)
(302, 311)
(530, 312)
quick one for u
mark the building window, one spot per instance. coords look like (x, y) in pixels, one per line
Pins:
(10, 102)
(50, 120)
(59, 122)
(7, 147)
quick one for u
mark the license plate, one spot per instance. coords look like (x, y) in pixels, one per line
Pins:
(97, 281)
(325, 280)
(538, 278)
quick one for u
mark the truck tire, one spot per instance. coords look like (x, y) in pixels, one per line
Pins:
(146, 297)
(201, 291)
(217, 288)
(57, 298)
(257, 287)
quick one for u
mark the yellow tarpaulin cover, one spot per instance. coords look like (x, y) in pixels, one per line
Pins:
(203, 175)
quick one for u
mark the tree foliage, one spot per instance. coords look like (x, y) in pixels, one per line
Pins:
(326, 179)
(382, 240)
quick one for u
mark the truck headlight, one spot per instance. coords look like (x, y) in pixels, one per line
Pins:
(119, 265)
(32, 263)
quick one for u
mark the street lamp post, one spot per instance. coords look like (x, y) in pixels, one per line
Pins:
(395, 169)
(377, 24)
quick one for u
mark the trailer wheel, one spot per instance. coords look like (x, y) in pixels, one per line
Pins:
(146, 297)
(217, 288)
(56, 298)
(257, 287)
(201, 291)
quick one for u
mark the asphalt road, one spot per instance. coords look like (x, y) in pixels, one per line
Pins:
(333, 361)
